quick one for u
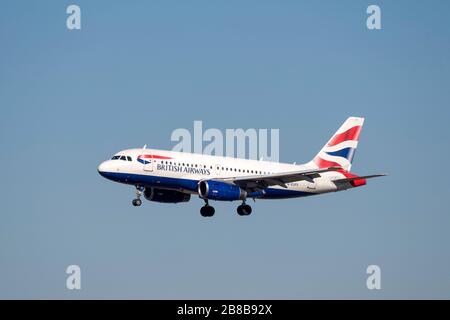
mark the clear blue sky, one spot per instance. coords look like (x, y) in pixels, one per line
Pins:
(138, 70)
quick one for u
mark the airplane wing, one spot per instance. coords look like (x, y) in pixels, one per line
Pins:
(255, 183)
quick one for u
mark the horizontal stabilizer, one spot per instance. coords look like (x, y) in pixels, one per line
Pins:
(360, 178)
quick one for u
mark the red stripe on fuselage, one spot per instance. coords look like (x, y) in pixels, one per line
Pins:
(152, 156)
(350, 134)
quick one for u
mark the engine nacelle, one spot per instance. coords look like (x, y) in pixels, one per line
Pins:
(218, 190)
(166, 196)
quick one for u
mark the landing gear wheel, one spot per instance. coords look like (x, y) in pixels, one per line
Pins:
(207, 211)
(244, 210)
(136, 202)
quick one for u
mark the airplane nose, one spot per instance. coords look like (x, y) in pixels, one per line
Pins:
(103, 168)
(107, 169)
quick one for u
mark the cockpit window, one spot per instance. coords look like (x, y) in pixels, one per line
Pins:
(124, 158)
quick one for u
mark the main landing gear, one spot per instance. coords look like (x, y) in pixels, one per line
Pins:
(137, 202)
(244, 209)
(207, 210)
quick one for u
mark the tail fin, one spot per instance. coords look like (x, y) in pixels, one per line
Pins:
(340, 149)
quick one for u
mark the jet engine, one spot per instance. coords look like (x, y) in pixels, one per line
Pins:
(218, 190)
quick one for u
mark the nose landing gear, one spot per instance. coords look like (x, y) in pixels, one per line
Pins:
(137, 202)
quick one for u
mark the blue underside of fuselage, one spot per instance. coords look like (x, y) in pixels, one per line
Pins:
(191, 185)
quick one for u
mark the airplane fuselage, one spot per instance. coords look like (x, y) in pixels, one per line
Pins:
(183, 171)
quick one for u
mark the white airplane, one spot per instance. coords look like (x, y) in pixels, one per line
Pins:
(172, 177)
